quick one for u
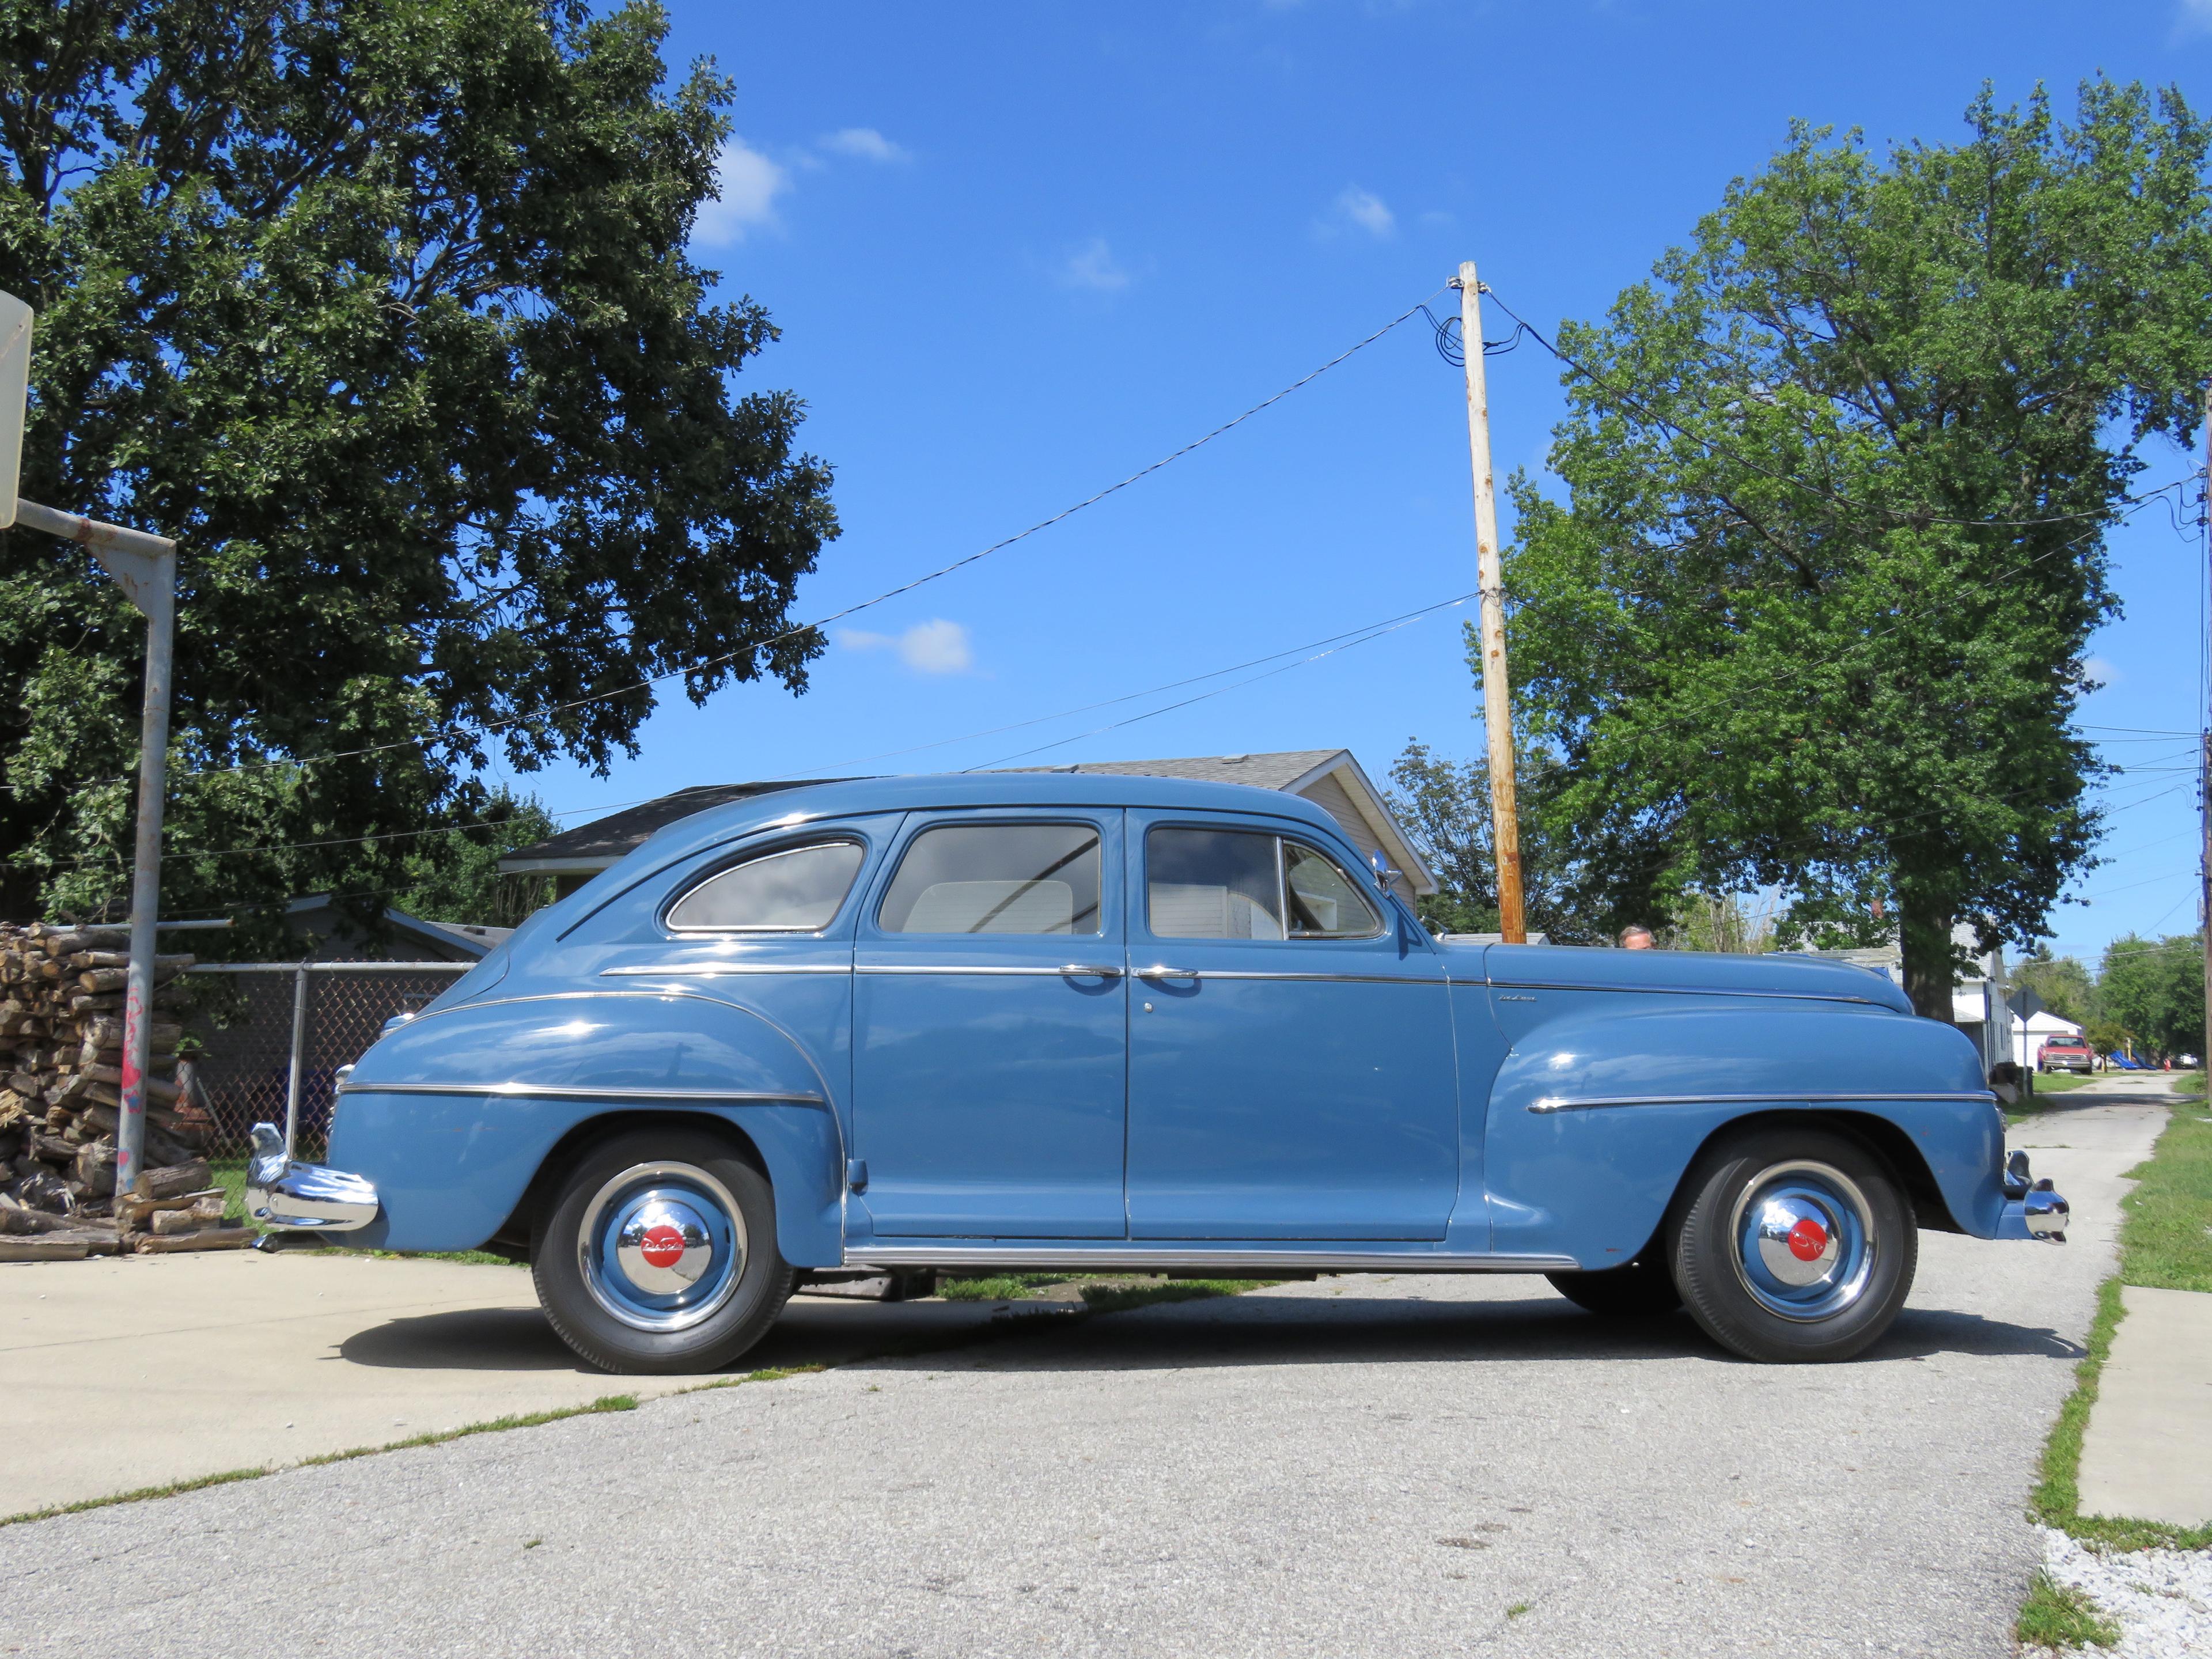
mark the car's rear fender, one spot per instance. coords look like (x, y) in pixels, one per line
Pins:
(452, 1117)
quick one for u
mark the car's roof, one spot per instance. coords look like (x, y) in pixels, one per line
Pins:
(923, 792)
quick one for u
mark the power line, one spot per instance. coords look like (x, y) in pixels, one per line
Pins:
(756, 645)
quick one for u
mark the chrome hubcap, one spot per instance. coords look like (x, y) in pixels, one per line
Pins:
(1803, 1237)
(662, 1246)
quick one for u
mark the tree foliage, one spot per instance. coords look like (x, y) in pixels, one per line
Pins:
(1444, 806)
(1813, 611)
(384, 309)
(2153, 991)
(2063, 982)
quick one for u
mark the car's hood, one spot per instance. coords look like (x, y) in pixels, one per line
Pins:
(1597, 968)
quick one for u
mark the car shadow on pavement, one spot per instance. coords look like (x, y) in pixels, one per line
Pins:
(1226, 1332)
(1363, 1330)
(465, 1339)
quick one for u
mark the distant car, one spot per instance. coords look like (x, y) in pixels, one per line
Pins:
(2066, 1054)
(1013, 1023)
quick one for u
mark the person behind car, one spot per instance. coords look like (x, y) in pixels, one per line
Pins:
(1636, 937)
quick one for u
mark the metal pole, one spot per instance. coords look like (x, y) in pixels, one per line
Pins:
(299, 1061)
(1490, 577)
(2204, 1049)
(145, 567)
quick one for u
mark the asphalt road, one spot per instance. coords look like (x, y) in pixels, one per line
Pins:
(1358, 1467)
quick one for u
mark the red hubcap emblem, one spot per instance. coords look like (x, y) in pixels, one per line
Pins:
(663, 1246)
(1808, 1240)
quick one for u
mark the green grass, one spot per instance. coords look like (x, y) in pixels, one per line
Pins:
(2189, 1083)
(1000, 1287)
(1102, 1294)
(2163, 1244)
(2058, 1083)
(2057, 1615)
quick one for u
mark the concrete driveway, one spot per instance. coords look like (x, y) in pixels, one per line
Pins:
(1391, 1466)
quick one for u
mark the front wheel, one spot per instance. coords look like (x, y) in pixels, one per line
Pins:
(660, 1254)
(1793, 1244)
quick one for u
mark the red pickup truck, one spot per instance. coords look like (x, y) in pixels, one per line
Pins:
(2066, 1054)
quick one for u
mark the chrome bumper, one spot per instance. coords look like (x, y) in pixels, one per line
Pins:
(282, 1194)
(2032, 1208)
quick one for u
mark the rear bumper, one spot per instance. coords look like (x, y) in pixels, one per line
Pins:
(283, 1194)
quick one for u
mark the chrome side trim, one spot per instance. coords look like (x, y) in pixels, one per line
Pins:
(1092, 970)
(721, 970)
(1680, 991)
(1162, 972)
(1131, 1255)
(556, 1091)
(1561, 1104)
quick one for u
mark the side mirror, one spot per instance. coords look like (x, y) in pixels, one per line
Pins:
(1384, 875)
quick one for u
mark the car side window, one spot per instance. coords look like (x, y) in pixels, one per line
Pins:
(1322, 902)
(792, 890)
(996, 878)
(1243, 883)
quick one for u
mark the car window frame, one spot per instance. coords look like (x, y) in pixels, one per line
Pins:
(753, 855)
(1053, 819)
(1141, 898)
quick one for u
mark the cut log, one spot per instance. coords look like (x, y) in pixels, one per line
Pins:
(207, 1238)
(43, 1249)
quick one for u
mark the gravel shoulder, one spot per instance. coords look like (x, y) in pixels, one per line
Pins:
(1354, 1466)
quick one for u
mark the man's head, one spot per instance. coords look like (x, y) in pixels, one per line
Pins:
(1636, 937)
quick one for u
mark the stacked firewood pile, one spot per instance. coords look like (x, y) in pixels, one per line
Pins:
(61, 1059)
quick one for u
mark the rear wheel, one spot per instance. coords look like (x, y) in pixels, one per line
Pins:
(1793, 1244)
(660, 1254)
(1642, 1289)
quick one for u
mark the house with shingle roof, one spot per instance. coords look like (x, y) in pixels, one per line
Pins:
(1330, 778)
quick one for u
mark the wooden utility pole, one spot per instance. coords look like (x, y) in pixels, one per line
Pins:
(1489, 578)
(2204, 1057)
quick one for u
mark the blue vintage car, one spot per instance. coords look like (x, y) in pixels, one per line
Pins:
(1006, 1023)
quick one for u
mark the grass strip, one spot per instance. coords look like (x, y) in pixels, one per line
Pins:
(2164, 1245)
(2057, 1615)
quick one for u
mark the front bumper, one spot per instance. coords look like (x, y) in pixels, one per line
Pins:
(282, 1194)
(2032, 1208)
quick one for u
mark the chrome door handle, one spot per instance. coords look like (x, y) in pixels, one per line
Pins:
(1091, 971)
(1158, 972)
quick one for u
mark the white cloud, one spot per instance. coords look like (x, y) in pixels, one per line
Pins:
(936, 646)
(1367, 210)
(1093, 266)
(2098, 672)
(2195, 18)
(747, 182)
(864, 143)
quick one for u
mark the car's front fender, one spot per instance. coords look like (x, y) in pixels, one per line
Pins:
(1597, 1112)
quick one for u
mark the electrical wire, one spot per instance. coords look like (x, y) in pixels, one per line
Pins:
(755, 646)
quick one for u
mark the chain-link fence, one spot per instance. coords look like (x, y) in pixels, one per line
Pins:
(274, 1034)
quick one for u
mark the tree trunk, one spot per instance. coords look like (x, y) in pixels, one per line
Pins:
(1930, 970)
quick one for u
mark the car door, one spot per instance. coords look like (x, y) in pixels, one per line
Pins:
(990, 1029)
(1290, 1065)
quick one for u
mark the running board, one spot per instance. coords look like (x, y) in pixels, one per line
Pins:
(1185, 1258)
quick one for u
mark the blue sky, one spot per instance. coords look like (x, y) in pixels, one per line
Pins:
(1020, 250)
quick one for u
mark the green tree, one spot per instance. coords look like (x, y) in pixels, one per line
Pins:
(460, 881)
(1719, 921)
(1812, 613)
(2063, 982)
(1444, 806)
(384, 310)
(2154, 990)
